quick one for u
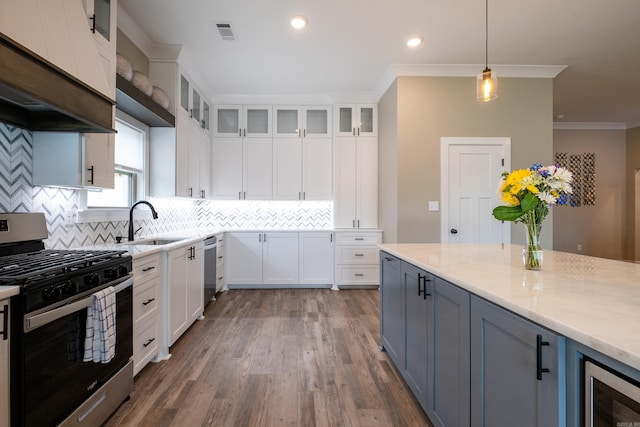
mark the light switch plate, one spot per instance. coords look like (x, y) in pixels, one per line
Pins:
(433, 206)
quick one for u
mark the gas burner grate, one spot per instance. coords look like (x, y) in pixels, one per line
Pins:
(20, 268)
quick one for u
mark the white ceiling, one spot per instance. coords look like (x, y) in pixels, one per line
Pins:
(349, 45)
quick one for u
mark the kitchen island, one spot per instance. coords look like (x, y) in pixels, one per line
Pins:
(575, 306)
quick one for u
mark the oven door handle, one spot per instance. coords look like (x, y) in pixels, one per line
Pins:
(35, 321)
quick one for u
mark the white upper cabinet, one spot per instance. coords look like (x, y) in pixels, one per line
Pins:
(242, 169)
(301, 122)
(357, 120)
(242, 121)
(70, 159)
(302, 169)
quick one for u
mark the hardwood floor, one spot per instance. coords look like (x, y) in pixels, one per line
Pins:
(281, 357)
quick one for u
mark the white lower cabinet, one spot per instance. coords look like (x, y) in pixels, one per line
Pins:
(183, 291)
(315, 257)
(4, 363)
(275, 259)
(262, 258)
(356, 260)
(147, 300)
(220, 257)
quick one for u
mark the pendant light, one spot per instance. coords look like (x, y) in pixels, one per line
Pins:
(487, 81)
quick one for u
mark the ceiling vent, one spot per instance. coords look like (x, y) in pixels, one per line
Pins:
(226, 30)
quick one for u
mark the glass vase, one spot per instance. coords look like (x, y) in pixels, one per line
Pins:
(532, 253)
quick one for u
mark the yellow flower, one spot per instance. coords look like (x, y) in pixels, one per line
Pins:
(510, 199)
(533, 189)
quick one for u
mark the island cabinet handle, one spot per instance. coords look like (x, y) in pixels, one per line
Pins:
(539, 345)
(388, 259)
(148, 342)
(148, 268)
(149, 301)
(423, 290)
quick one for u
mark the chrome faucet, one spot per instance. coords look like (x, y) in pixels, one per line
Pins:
(153, 212)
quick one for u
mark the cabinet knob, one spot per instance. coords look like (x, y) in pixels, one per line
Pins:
(453, 231)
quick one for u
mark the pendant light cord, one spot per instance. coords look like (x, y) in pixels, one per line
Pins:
(486, 34)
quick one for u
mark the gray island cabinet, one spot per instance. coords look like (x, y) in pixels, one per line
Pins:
(480, 341)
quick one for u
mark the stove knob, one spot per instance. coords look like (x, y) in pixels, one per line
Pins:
(51, 293)
(111, 273)
(92, 280)
(66, 289)
(123, 271)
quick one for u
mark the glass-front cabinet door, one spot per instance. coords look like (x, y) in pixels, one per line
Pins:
(287, 121)
(357, 120)
(227, 120)
(242, 121)
(184, 93)
(195, 110)
(257, 121)
(317, 121)
(206, 113)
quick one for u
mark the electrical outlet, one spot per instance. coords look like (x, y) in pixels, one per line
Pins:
(69, 216)
(433, 206)
(579, 247)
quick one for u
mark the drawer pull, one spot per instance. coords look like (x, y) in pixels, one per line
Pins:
(149, 301)
(220, 257)
(359, 255)
(359, 238)
(149, 268)
(359, 275)
(148, 343)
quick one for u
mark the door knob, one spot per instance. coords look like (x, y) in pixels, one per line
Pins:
(454, 231)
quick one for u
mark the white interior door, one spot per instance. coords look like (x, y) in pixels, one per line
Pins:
(471, 169)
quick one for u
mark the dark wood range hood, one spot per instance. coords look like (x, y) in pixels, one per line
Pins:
(37, 95)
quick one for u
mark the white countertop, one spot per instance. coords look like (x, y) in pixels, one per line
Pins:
(594, 301)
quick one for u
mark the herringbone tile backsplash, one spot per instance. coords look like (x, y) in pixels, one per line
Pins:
(175, 214)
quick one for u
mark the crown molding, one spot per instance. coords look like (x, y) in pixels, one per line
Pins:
(463, 70)
(590, 126)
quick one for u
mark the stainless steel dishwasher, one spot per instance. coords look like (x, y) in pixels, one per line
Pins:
(210, 248)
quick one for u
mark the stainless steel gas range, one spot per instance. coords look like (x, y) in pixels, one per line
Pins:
(52, 325)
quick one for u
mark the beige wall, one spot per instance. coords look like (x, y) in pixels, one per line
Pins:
(136, 58)
(599, 229)
(388, 167)
(632, 209)
(429, 108)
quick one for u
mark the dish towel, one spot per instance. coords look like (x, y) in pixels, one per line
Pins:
(100, 336)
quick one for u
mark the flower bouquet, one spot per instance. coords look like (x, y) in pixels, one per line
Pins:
(528, 194)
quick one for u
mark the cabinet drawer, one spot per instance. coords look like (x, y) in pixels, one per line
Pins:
(357, 255)
(146, 300)
(358, 275)
(359, 238)
(146, 267)
(146, 341)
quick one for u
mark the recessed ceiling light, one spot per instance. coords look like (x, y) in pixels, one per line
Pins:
(414, 41)
(299, 21)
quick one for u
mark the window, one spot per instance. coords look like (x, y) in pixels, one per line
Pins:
(130, 142)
